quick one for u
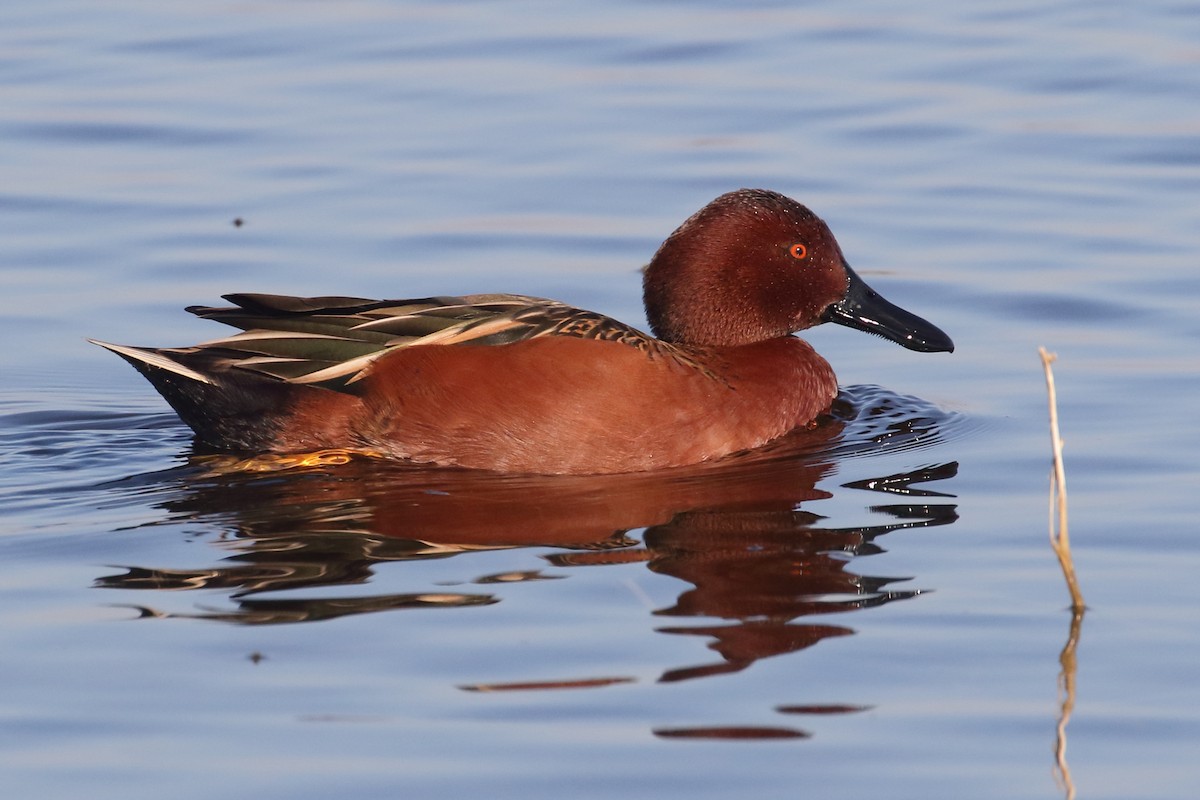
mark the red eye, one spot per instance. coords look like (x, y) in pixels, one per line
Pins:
(798, 251)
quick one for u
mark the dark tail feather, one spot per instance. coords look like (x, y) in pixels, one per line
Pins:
(227, 409)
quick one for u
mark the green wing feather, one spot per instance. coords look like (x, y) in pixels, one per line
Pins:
(332, 341)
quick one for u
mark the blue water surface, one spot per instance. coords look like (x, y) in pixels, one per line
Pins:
(872, 611)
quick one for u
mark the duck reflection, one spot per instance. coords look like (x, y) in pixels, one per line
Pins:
(764, 569)
(755, 562)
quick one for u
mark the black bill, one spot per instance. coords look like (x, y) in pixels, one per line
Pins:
(863, 308)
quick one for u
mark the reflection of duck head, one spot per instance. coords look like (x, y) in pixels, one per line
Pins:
(763, 569)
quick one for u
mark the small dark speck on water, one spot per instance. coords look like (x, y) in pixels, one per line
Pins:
(238, 222)
(256, 657)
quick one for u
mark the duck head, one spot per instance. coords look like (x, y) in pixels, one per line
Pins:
(755, 265)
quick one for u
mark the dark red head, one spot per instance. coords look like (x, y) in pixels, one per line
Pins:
(755, 265)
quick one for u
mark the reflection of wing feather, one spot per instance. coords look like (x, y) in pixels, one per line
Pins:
(332, 341)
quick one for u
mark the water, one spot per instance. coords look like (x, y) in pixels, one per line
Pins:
(1018, 173)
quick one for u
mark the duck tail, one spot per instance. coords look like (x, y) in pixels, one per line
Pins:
(227, 409)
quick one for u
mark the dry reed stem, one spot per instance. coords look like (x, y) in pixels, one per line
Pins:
(1059, 539)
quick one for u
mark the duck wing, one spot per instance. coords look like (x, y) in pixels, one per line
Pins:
(333, 341)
